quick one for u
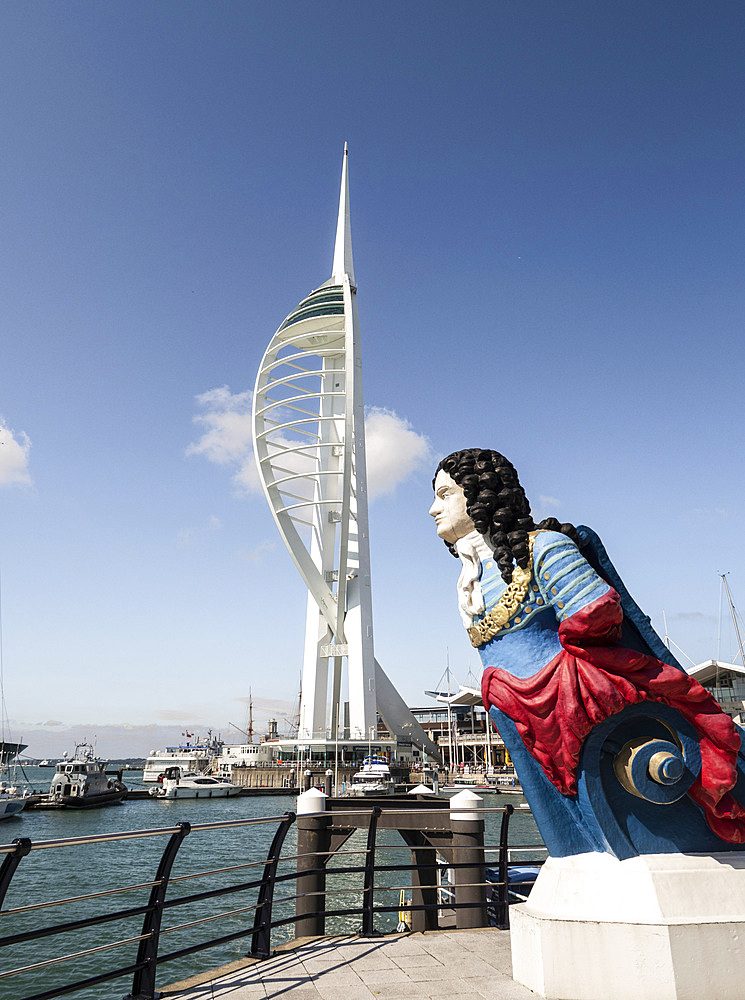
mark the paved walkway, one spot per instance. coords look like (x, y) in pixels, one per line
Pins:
(439, 964)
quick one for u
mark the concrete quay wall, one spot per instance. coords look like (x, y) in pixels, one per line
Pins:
(286, 775)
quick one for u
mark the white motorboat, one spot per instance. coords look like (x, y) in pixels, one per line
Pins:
(81, 782)
(176, 784)
(12, 800)
(373, 778)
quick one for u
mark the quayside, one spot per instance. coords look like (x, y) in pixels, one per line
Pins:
(201, 894)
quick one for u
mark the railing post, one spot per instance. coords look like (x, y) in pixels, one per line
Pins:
(368, 894)
(423, 886)
(503, 909)
(143, 983)
(468, 849)
(11, 862)
(261, 941)
(313, 843)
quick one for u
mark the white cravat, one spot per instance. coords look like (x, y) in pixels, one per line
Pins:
(472, 549)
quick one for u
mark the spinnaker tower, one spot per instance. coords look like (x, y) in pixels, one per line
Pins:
(309, 442)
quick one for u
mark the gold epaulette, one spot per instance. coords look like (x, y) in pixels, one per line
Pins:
(495, 620)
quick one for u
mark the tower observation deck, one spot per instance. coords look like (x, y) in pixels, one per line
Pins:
(309, 441)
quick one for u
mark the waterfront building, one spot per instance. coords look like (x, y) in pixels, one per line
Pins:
(726, 683)
(309, 442)
(195, 755)
(236, 755)
(462, 734)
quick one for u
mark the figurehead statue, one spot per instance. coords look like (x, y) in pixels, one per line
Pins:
(617, 748)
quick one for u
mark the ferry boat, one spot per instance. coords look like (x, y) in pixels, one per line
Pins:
(81, 782)
(176, 784)
(373, 778)
(199, 757)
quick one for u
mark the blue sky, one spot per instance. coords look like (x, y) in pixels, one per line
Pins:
(547, 215)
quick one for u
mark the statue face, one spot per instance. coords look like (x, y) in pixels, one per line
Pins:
(449, 509)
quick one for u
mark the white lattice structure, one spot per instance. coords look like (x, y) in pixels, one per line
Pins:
(309, 440)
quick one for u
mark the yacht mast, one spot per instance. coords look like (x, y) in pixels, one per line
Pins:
(734, 618)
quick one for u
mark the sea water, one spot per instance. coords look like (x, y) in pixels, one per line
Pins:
(72, 871)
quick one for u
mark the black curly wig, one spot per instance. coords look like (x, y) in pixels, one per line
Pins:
(497, 505)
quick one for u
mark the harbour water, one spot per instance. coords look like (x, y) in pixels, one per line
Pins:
(74, 871)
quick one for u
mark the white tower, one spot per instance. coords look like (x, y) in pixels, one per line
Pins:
(309, 440)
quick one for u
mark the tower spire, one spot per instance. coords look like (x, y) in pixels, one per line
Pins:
(343, 247)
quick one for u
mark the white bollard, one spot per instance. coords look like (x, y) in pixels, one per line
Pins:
(463, 804)
(312, 801)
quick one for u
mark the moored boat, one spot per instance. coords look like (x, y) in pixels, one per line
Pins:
(12, 800)
(81, 782)
(473, 782)
(176, 784)
(373, 778)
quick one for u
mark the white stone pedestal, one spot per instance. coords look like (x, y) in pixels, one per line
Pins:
(655, 927)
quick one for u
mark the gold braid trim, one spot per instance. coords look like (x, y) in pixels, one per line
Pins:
(495, 620)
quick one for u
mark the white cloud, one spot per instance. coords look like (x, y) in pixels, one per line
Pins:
(257, 554)
(394, 449)
(14, 454)
(187, 536)
(549, 501)
(184, 537)
(227, 439)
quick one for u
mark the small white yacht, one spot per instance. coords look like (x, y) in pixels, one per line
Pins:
(373, 778)
(81, 782)
(177, 784)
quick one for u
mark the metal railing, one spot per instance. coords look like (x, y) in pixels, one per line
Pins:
(259, 917)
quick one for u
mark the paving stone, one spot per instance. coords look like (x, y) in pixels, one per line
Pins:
(344, 975)
(377, 960)
(343, 992)
(454, 986)
(236, 992)
(376, 978)
(405, 948)
(429, 973)
(402, 991)
(356, 949)
(312, 964)
(422, 961)
(271, 968)
(469, 965)
(295, 992)
(502, 988)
